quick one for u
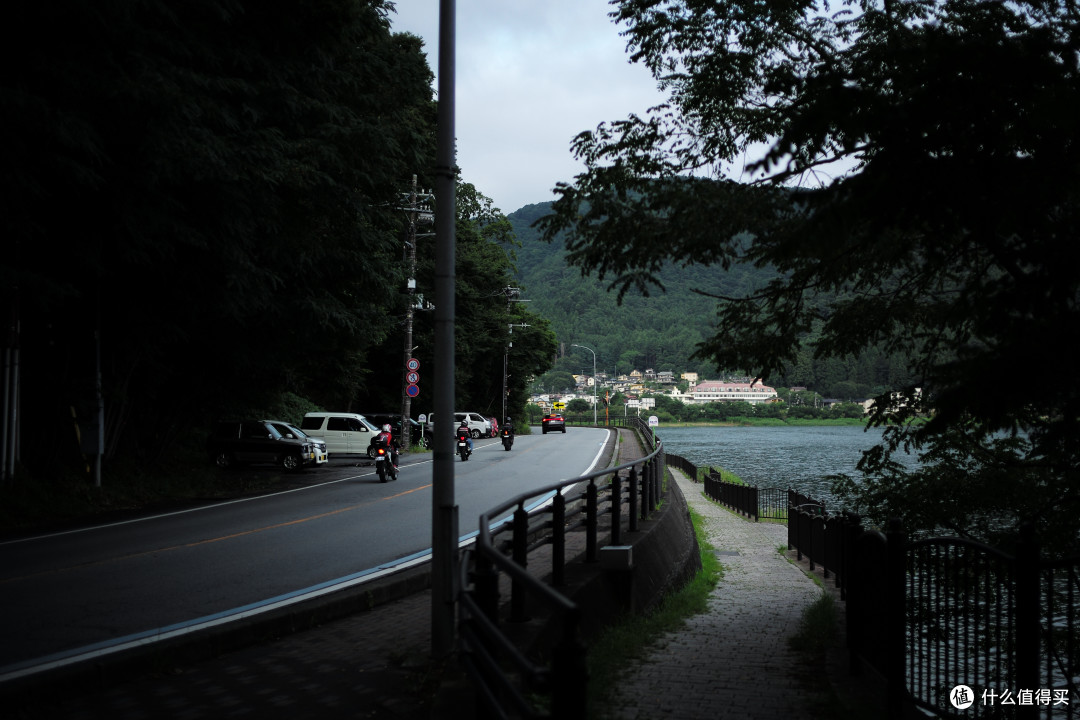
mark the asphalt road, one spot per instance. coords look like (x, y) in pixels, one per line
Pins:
(103, 584)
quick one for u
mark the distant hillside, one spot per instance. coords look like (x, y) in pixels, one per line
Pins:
(663, 330)
(659, 332)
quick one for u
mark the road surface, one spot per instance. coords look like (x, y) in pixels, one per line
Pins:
(97, 585)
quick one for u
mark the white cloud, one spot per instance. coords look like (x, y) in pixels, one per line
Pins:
(530, 76)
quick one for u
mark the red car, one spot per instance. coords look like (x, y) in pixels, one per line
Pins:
(554, 423)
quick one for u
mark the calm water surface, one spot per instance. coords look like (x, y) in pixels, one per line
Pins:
(798, 457)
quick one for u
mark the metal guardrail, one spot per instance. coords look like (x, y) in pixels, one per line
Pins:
(505, 678)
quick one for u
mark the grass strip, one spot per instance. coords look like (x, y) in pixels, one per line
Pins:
(634, 634)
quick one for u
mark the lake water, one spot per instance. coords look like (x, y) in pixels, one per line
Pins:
(797, 457)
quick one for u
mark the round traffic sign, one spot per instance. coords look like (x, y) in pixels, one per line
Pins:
(413, 364)
(412, 390)
(412, 377)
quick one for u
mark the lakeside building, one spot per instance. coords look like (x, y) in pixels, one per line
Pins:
(684, 397)
(722, 391)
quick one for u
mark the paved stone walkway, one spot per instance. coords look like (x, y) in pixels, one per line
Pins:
(733, 660)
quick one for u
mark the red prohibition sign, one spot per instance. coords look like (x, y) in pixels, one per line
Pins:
(413, 364)
(412, 377)
(412, 390)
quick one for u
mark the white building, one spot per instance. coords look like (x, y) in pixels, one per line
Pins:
(722, 391)
(684, 397)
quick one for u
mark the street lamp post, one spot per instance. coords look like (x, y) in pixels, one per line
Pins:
(593, 378)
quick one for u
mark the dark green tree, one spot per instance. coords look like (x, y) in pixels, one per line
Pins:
(577, 406)
(916, 191)
(210, 187)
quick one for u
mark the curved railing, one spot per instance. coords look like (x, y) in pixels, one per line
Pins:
(506, 678)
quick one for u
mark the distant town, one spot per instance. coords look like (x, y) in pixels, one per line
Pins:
(636, 385)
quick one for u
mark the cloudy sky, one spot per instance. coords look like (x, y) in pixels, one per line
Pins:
(531, 74)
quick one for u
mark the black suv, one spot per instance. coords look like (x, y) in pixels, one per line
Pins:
(257, 441)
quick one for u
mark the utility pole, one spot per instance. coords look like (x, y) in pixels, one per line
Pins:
(416, 213)
(511, 297)
(444, 513)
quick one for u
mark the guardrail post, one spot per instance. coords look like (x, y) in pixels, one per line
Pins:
(558, 539)
(791, 536)
(895, 618)
(1026, 575)
(521, 559)
(853, 589)
(590, 521)
(486, 587)
(569, 673)
(648, 490)
(849, 529)
(817, 537)
(616, 508)
(656, 481)
(635, 490)
(796, 525)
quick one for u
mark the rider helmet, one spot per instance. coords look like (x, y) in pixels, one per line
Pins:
(386, 428)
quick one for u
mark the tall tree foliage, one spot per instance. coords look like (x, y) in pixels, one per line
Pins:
(211, 184)
(947, 236)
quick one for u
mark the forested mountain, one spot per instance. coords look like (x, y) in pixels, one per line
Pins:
(662, 330)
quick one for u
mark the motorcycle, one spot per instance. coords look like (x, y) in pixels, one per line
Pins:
(463, 446)
(507, 439)
(384, 464)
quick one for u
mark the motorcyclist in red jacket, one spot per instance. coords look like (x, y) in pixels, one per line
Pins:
(387, 437)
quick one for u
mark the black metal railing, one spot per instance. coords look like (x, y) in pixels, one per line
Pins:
(947, 613)
(683, 465)
(506, 678)
(934, 614)
(747, 500)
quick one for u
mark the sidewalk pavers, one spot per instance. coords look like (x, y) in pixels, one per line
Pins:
(732, 661)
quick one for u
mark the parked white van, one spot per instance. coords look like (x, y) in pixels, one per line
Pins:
(344, 433)
(479, 426)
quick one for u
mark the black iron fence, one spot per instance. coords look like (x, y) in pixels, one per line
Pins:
(682, 464)
(508, 681)
(747, 500)
(948, 622)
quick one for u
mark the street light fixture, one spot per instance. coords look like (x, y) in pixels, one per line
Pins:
(593, 378)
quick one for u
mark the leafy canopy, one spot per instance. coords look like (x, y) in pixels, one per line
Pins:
(212, 188)
(913, 181)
